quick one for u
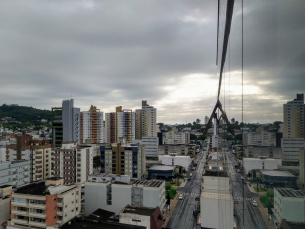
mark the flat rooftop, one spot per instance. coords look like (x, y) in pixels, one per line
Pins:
(103, 175)
(289, 192)
(100, 225)
(100, 214)
(41, 189)
(5, 186)
(162, 167)
(148, 183)
(277, 173)
(139, 210)
(259, 159)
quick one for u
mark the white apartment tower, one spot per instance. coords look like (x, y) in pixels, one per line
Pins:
(70, 121)
(92, 126)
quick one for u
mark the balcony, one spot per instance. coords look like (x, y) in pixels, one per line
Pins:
(59, 212)
(38, 224)
(38, 206)
(20, 221)
(19, 204)
(38, 215)
(18, 212)
(59, 204)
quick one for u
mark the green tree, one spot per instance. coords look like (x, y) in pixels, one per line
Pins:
(168, 187)
(193, 137)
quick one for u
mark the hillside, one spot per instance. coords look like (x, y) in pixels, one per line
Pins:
(24, 114)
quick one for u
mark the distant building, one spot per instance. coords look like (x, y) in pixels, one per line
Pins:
(290, 149)
(92, 126)
(263, 151)
(65, 123)
(124, 159)
(302, 166)
(259, 138)
(151, 145)
(145, 121)
(289, 204)
(183, 161)
(15, 173)
(294, 119)
(175, 137)
(111, 192)
(71, 162)
(177, 149)
(161, 172)
(36, 151)
(44, 204)
(277, 178)
(119, 124)
(151, 218)
(260, 163)
(206, 120)
(5, 203)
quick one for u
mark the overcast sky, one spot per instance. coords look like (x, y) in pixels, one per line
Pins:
(116, 53)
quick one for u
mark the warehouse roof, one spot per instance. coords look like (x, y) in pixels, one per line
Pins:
(288, 192)
(277, 173)
(162, 167)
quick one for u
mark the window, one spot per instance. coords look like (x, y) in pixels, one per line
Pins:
(55, 217)
(55, 208)
(55, 199)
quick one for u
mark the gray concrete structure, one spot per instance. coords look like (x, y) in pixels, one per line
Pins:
(70, 121)
(266, 151)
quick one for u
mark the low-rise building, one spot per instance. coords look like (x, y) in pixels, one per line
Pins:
(124, 159)
(111, 192)
(183, 161)
(216, 202)
(289, 204)
(178, 149)
(260, 163)
(278, 178)
(263, 151)
(161, 171)
(46, 204)
(151, 218)
(15, 173)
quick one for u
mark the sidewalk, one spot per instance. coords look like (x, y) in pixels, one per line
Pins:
(251, 189)
(170, 212)
(183, 182)
(264, 214)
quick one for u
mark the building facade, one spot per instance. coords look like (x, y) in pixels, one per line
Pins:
(294, 119)
(263, 151)
(290, 149)
(289, 204)
(145, 121)
(122, 159)
(71, 162)
(15, 173)
(261, 164)
(36, 151)
(175, 137)
(65, 123)
(151, 145)
(183, 161)
(92, 126)
(47, 204)
(120, 124)
(115, 192)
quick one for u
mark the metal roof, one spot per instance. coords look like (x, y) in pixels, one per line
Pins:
(288, 192)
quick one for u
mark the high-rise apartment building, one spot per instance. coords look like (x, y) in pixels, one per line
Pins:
(206, 119)
(145, 121)
(92, 126)
(36, 151)
(294, 118)
(65, 123)
(71, 162)
(122, 159)
(120, 124)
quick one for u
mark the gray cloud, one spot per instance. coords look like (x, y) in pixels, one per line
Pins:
(113, 53)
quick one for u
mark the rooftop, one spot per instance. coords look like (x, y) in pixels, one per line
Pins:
(288, 192)
(216, 196)
(277, 173)
(54, 178)
(5, 186)
(100, 214)
(148, 183)
(100, 225)
(40, 189)
(138, 210)
(162, 167)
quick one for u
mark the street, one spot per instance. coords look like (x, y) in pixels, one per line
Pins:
(253, 217)
(182, 217)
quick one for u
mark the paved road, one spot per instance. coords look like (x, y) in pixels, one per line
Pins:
(253, 217)
(182, 217)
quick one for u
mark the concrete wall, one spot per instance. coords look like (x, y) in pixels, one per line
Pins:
(5, 210)
(250, 164)
(134, 219)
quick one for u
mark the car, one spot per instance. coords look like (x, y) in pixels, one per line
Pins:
(254, 203)
(180, 197)
(189, 178)
(238, 170)
(242, 177)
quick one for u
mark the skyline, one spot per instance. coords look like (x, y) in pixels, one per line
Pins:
(110, 58)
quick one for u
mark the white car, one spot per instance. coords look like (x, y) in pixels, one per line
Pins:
(180, 197)
(254, 203)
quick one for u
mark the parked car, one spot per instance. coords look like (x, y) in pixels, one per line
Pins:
(189, 178)
(238, 170)
(180, 197)
(254, 203)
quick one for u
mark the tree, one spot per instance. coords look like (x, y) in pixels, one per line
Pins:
(193, 137)
(194, 123)
(198, 121)
(236, 123)
(202, 137)
(233, 120)
(168, 187)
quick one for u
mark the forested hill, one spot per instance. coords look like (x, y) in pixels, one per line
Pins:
(24, 114)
